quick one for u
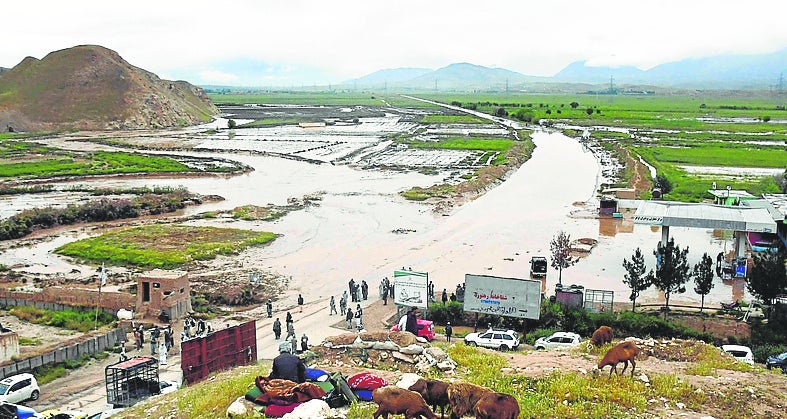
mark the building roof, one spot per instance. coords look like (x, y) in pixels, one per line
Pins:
(732, 193)
(778, 202)
(723, 217)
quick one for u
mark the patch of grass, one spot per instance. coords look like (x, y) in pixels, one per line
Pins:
(82, 320)
(267, 122)
(711, 359)
(422, 194)
(465, 143)
(26, 341)
(453, 119)
(163, 246)
(98, 163)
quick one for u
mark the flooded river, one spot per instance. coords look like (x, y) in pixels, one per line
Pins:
(363, 229)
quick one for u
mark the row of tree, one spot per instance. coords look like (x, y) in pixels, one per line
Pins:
(767, 279)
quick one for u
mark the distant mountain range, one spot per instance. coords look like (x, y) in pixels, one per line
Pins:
(760, 71)
(91, 87)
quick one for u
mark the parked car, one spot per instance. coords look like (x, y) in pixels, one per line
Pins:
(741, 353)
(19, 388)
(501, 339)
(777, 361)
(425, 329)
(168, 386)
(558, 340)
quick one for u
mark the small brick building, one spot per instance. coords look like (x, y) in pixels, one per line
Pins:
(160, 291)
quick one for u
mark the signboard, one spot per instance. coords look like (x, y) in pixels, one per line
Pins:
(511, 297)
(740, 268)
(410, 288)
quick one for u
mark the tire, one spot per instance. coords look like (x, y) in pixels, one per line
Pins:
(540, 348)
(471, 343)
(35, 395)
(504, 348)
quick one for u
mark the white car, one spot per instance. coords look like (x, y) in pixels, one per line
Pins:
(494, 338)
(741, 353)
(168, 386)
(558, 340)
(19, 388)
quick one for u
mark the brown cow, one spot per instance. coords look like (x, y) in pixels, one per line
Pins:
(435, 392)
(395, 400)
(601, 336)
(496, 406)
(462, 397)
(622, 352)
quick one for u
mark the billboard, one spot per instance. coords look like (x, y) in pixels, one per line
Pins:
(512, 297)
(410, 288)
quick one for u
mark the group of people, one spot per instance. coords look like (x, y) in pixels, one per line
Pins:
(358, 291)
(161, 341)
(357, 317)
(386, 290)
(291, 339)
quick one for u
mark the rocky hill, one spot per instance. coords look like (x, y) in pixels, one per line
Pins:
(91, 87)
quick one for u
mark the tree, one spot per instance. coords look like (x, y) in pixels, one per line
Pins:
(636, 278)
(703, 278)
(664, 184)
(589, 111)
(672, 270)
(560, 246)
(781, 181)
(768, 276)
(501, 111)
(231, 123)
(574, 105)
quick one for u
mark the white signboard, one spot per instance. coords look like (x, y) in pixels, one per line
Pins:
(511, 297)
(410, 288)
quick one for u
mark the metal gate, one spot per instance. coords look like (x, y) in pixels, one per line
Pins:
(220, 350)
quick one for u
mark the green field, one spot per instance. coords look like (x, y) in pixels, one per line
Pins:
(163, 246)
(453, 119)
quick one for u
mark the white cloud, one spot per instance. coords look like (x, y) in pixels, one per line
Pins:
(217, 77)
(351, 38)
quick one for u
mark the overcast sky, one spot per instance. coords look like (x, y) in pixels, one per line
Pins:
(290, 42)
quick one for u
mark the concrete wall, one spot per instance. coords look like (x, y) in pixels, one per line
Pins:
(91, 345)
(56, 296)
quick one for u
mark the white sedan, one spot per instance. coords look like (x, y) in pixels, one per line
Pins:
(558, 340)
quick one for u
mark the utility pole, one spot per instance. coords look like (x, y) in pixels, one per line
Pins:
(780, 84)
(506, 86)
(435, 84)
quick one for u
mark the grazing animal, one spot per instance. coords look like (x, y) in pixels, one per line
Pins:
(622, 352)
(395, 400)
(601, 336)
(435, 392)
(462, 397)
(496, 406)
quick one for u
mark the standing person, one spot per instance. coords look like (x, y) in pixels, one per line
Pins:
(343, 303)
(385, 295)
(162, 352)
(269, 308)
(294, 344)
(448, 332)
(290, 330)
(444, 297)
(137, 341)
(300, 303)
(333, 306)
(277, 328)
(358, 317)
(169, 339)
(304, 343)
(288, 319)
(287, 366)
(141, 336)
(349, 318)
(351, 288)
(364, 290)
(412, 321)
(357, 294)
(153, 341)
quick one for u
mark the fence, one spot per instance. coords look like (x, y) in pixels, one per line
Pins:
(226, 348)
(88, 347)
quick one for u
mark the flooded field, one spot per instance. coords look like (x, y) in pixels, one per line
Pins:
(363, 229)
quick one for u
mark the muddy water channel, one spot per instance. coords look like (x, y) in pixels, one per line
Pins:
(363, 229)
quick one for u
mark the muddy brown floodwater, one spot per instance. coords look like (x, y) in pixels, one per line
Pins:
(363, 229)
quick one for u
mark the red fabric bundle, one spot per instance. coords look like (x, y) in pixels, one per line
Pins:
(366, 381)
(285, 392)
